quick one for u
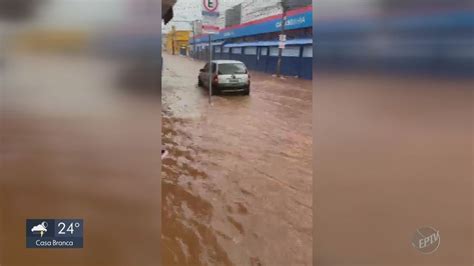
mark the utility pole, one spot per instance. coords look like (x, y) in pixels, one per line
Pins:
(284, 8)
(173, 31)
(210, 70)
(193, 26)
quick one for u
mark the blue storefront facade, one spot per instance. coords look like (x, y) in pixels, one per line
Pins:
(256, 44)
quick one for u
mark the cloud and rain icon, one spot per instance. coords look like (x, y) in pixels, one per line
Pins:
(40, 228)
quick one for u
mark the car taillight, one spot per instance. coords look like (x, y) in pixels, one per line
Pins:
(215, 80)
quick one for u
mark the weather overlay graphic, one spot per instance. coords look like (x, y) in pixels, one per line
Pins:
(54, 233)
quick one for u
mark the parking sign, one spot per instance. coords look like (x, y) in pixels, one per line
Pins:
(210, 5)
(210, 16)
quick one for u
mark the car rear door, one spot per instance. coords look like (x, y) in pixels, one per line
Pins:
(233, 73)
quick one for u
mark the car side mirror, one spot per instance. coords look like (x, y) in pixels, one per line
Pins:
(201, 70)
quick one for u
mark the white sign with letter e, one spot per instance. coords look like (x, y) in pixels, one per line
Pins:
(210, 16)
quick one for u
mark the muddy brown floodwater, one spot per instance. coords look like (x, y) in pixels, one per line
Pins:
(237, 183)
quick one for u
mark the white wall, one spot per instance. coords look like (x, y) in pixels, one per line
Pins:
(257, 9)
(224, 5)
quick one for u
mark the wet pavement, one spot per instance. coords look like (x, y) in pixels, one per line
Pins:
(237, 183)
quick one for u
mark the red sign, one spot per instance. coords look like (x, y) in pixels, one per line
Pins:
(210, 5)
(210, 28)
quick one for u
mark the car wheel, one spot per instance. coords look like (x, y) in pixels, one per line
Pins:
(246, 92)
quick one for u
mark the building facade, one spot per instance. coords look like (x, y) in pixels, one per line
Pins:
(255, 40)
(177, 41)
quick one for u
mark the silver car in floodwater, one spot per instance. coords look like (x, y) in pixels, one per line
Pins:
(227, 76)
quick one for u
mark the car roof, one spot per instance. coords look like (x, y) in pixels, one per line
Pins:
(227, 62)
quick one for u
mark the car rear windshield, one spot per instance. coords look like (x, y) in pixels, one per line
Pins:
(229, 69)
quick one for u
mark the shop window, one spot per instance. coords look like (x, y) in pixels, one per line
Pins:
(291, 51)
(264, 51)
(218, 49)
(308, 51)
(250, 50)
(237, 50)
(273, 51)
(225, 50)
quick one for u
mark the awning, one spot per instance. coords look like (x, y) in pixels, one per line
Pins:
(270, 43)
(205, 44)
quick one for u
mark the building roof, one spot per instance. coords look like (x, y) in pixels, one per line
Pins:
(270, 43)
(296, 19)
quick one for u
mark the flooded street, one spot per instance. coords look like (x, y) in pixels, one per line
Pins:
(237, 183)
(236, 187)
